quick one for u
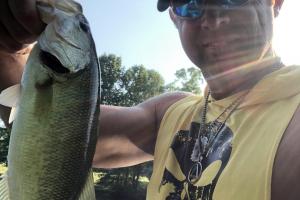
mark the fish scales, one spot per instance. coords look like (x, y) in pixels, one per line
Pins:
(54, 135)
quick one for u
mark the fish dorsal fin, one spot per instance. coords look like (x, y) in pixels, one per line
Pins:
(10, 97)
(4, 192)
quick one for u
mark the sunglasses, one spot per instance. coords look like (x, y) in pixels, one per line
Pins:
(194, 9)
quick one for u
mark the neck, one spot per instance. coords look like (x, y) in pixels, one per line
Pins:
(241, 78)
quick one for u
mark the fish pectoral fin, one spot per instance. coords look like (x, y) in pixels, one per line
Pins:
(10, 97)
(4, 193)
(13, 115)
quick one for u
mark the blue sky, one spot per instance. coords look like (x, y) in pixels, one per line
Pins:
(140, 34)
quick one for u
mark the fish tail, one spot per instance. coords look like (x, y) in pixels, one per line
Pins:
(4, 193)
(88, 192)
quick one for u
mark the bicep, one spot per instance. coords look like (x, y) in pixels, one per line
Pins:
(286, 173)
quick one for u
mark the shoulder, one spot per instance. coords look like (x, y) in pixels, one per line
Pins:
(286, 170)
(159, 105)
(163, 101)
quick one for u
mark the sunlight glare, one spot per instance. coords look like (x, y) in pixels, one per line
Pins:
(287, 32)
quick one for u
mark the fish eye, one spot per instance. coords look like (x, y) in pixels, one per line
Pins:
(83, 23)
(85, 27)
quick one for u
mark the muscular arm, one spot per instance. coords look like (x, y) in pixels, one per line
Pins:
(128, 135)
(286, 170)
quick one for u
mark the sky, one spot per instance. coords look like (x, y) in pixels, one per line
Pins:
(137, 32)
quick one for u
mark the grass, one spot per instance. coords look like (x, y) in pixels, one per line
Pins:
(97, 176)
(3, 169)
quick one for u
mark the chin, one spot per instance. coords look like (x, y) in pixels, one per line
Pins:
(223, 63)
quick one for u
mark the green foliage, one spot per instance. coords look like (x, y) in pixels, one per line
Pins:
(141, 84)
(188, 80)
(124, 183)
(111, 191)
(111, 72)
(127, 87)
(4, 142)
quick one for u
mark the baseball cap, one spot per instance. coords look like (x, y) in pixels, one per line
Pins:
(162, 5)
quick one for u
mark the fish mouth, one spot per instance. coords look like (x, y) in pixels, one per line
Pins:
(53, 63)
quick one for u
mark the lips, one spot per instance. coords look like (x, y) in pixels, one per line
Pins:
(218, 49)
(219, 40)
(214, 44)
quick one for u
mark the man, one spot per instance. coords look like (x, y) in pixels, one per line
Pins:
(239, 142)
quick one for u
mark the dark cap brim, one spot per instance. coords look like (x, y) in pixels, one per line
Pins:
(163, 5)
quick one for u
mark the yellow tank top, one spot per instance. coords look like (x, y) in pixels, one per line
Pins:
(240, 161)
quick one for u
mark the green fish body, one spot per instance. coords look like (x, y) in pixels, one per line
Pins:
(54, 135)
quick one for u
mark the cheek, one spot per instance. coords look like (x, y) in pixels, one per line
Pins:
(266, 19)
(255, 30)
(190, 36)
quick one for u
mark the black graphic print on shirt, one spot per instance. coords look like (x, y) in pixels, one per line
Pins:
(179, 164)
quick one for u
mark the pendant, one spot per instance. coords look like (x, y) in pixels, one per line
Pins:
(195, 173)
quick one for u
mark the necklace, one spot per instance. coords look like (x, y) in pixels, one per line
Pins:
(207, 134)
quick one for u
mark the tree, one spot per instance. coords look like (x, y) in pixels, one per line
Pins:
(4, 142)
(188, 80)
(111, 72)
(127, 87)
(141, 84)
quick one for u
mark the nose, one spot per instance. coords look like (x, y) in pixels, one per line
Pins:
(214, 18)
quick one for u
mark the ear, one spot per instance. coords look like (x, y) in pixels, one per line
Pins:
(277, 6)
(174, 18)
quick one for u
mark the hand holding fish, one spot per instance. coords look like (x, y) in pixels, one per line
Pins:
(20, 24)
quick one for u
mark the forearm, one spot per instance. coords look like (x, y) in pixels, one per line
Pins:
(126, 137)
(11, 69)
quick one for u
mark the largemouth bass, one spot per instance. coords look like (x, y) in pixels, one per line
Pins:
(54, 134)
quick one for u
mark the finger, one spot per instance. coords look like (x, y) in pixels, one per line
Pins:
(14, 28)
(25, 12)
(7, 43)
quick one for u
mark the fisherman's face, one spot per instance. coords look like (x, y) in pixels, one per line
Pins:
(223, 39)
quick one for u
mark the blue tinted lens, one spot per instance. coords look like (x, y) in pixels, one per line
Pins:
(189, 10)
(194, 8)
(232, 2)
